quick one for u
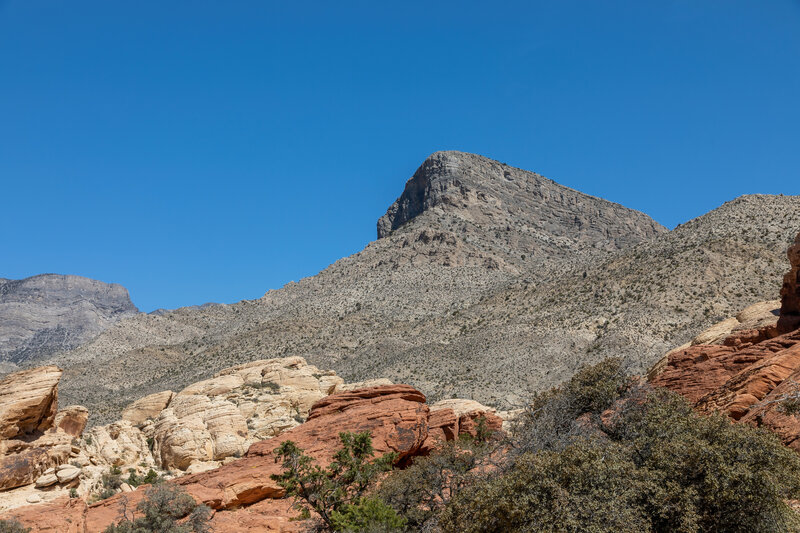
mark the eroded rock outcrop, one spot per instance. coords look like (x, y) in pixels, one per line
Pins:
(34, 436)
(242, 494)
(790, 291)
(751, 373)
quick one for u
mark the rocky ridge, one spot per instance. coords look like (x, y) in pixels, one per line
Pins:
(47, 455)
(51, 313)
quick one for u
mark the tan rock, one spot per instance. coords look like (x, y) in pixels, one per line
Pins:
(71, 420)
(119, 443)
(196, 428)
(715, 333)
(214, 386)
(28, 401)
(33, 498)
(46, 481)
(67, 473)
(364, 384)
(148, 407)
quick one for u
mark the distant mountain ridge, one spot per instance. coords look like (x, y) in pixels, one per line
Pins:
(487, 282)
(50, 313)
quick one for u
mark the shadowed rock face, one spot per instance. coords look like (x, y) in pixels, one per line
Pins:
(51, 313)
(790, 292)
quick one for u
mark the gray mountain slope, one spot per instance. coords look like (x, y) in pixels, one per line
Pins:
(489, 283)
(482, 226)
(51, 313)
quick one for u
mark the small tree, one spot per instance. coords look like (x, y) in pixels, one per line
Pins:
(161, 509)
(331, 491)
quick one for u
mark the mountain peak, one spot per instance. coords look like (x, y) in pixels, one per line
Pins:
(471, 190)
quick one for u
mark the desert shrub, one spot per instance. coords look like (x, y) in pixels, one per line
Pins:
(707, 473)
(420, 491)
(343, 483)
(584, 487)
(367, 515)
(166, 508)
(555, 418)
(652, 465)
(111, 481)
(150, 478)
(12, 526)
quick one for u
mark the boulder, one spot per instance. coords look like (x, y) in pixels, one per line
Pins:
(46, 480)
(28, 401)
(33, 436)
(67, 473)
(72, 420)
(146, 408)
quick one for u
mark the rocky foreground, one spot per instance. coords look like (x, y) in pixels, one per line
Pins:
(211, 438)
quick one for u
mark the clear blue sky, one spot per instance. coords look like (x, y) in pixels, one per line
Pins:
(208, 151)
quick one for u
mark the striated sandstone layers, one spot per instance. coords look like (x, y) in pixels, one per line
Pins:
(753, 375)
(242, 494)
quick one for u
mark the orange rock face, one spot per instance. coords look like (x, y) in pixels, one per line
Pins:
(242, 494)
(754, 376)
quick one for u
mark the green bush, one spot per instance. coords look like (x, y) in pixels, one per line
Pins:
(652, 464)
(341, 484)
(166, 508)
(12, 526)
(584, 487)
(554, 419)
(419, 492)
(367, 515)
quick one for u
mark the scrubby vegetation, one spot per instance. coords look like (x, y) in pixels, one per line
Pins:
(166, 508)
(602, 453)
(336, 493)
(12, 526)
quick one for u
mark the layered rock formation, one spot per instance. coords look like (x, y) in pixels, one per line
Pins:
(35, 437)
(751, 374)
(243, 495)
(205, 426)
(51, 313)
(790, 292)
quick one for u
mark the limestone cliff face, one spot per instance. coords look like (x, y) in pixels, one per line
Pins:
(51, 313)
(477, 189)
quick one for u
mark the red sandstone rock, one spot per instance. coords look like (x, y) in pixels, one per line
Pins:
(242, 494)
(753, 373)
(63, 515)
(790, 292)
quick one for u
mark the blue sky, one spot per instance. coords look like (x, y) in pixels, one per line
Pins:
(208, 151)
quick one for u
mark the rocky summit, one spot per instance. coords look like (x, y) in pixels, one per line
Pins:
(51, 313)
